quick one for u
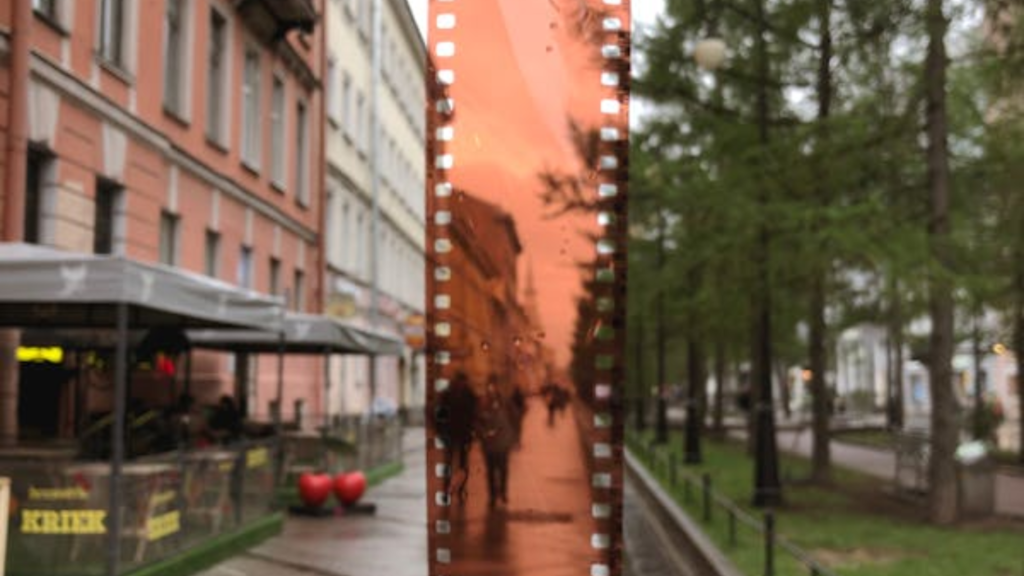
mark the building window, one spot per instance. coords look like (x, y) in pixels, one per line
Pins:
(47, 8)
(299, 291)
(212, 253)
(361, 123)
(216, 75)
(174, 46)
(251, 108)
(331, 88)
(346, 104)
(277, 111)
(344, 248)
(360, 244)
(38, 162)
(168, 238)
(244, 276)
(274, 282)
(301, 155)
(112, 24)
(105, 211)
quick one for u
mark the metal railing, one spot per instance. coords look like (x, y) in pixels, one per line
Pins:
(340, 443)
(699, 496)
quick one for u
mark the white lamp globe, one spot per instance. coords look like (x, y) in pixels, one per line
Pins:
(710, 53)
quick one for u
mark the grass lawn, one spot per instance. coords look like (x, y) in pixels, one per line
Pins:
(852, 528)
(869, 438)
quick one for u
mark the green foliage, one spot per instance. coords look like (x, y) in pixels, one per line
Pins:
(842, 195)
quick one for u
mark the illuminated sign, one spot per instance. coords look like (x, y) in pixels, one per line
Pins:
(51, 354)
(415, 331)
(63, 521)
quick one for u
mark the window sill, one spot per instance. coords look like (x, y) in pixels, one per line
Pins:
(115, 69)
(250, 167)
(334, 122)
(177, 117)
(302, 203)
(216, 144)
(51, 22)
(278, 187)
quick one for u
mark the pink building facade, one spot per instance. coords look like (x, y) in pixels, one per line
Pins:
(187, 132)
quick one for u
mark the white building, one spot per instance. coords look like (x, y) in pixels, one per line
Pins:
(350, 255)
(862, 372)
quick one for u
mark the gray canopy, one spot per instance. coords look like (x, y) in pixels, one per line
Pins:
(44, 287)
(303, 334)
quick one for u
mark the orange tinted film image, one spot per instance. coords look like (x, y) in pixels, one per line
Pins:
(527, 155)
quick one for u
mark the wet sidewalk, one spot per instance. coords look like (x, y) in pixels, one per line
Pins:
(392, 542)
(545, 527)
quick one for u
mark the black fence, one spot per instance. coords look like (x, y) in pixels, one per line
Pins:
(723, 519)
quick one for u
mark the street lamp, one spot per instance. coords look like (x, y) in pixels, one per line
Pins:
(710, 53)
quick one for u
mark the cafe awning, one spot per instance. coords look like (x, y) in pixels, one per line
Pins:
(303, 334)
(44, 287)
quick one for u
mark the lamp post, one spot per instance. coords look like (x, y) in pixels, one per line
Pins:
(710, 53)
(661, 417)
(661, 424)
(767, 487)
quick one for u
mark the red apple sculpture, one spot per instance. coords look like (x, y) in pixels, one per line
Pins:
(339, 485)
(350, 488)
(314, 489)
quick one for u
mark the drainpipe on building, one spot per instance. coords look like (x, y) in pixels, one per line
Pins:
(321, 259)
(14, 202)
(375, 78)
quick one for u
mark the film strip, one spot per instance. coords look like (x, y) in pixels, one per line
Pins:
(527, 154)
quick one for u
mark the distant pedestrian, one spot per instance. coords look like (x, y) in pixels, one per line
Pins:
(497, 435)
(557, 399)
(518, 413)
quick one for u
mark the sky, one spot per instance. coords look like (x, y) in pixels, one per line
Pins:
(499, 155)
(645, 12)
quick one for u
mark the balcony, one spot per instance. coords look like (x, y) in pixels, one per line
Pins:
(271, 20)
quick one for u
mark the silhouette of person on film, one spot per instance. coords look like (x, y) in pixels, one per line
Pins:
(456, 416)
(497, 435)
(557, 399)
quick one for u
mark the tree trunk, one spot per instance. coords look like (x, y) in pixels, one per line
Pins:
(718, 419)
(1018, 349)
(661, 420)
(979, 376)
(821, 453)
(641, 390)
(942, 495)
(694, 405)
(821, 456)
(782, 375)
(898, 343)
(894, 409)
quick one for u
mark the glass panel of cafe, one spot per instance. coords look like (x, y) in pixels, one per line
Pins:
(189, 470)
(527, 134)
